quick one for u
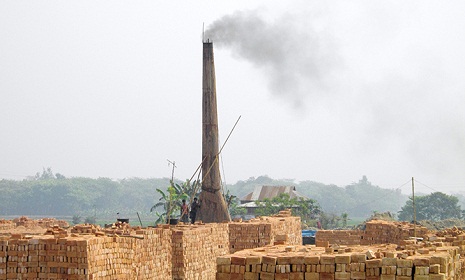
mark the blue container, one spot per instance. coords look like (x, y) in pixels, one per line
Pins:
(308, 233)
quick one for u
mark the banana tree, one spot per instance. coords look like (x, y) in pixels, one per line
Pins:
(171, 199)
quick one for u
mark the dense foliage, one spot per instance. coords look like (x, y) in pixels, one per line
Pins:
(307, 209)
(436, 206)
(171, 200)
(49, 194)
(359, 199)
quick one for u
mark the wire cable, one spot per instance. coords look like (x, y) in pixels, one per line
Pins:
(425, 185)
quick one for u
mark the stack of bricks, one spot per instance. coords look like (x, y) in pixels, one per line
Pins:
(120, 228)
(45, 258)
(246, 235)
(143, 256)
(25, 222)
(264, 231)
(351, 263)
(57, 232)
(50, 222)
(6, 224)
(123, 252)
(18, 265)
(262, 263)
(459, 241)
(286, 230)
(115, 229)
(454, 235)
(345, 237)
(151, 250)
(85, 228)
(454, 231)
(107, 260)
(44, 222)
(379, 232)
(376, 232)
(3, 257)
(195, 248)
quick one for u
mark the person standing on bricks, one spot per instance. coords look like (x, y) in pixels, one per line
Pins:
(184, 212)
(194, 207)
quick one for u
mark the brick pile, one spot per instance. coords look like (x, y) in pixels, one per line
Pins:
(85, 229)
(246, 235)
(6, 224)
(49, 222)
(345, 237)
(454, 231)
(153, 254)
(376, 232)
(143, 256)
(457, 238)
(124, 252)
(195, 248)
(280, 229)
(57, 232)
(44, 222)
(115, 229)
(349, 263)
(379, 232)
(285, 228)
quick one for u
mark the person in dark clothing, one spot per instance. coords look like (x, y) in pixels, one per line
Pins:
(194, 207)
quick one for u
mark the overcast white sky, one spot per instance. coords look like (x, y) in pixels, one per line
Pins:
(328, 91)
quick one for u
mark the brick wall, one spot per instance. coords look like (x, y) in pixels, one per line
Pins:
(168, 252)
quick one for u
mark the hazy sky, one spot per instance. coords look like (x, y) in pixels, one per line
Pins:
(328, 91)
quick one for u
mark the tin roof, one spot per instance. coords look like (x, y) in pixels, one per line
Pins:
(262, 192)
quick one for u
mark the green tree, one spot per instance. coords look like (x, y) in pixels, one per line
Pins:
(436, 206)
(90, 220)
(171, 200)
(232, 202)
(329, 220)
(307, 209)
(46, 174)
(344, 217)
(76, 219)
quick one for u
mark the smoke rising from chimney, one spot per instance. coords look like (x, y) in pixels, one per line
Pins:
(395, 88)
(291, 53)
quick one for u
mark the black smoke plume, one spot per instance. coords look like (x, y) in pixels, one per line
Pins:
(294, 58)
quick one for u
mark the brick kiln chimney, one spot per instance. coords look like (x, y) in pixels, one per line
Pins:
(213, 206)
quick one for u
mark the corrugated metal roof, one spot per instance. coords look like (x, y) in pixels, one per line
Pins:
(262, 192)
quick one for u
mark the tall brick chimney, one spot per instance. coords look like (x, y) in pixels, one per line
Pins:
(213, 206)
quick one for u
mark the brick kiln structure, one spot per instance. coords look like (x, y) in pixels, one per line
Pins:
(214, 208)
(123, 252)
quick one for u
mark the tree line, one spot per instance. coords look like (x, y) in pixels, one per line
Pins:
(359, 199)
(49, 194)
(52, 194)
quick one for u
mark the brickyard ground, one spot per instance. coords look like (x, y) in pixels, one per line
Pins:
(263, 248)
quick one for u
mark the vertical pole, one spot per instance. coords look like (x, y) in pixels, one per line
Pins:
(414, 212)
(139, 219)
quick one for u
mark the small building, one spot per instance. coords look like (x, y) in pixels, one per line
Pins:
(263, 192)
